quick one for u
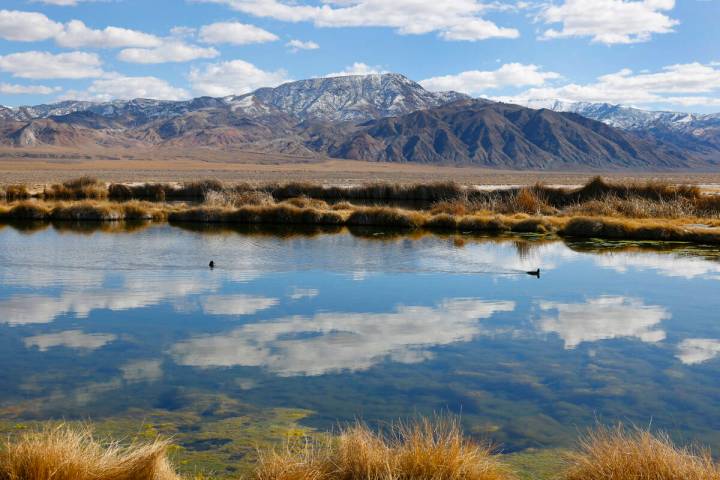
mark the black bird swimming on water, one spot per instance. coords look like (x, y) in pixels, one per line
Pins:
(535, 273)
(212, 264)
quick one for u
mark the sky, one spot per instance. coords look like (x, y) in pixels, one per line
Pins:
(651, 54)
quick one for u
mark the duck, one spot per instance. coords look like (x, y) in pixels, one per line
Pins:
(534, 273)
(212, 264)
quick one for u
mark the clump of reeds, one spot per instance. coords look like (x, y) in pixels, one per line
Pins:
(385, 217)
(237, 198)
(16, 192)
(77, 189)
(427, 192)
(27, 210)
(307, 202)
(155, 192)
(433, 450)
(62, 453)
(86, 212)
(622, 454)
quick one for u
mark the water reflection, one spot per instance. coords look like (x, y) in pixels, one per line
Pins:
(669, 265)
(378, 326)
(332, 342)
(698, 350)
(75, 339)
(602, 319)
(142, 371)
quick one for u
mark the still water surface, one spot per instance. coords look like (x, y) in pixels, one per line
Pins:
(97, 324)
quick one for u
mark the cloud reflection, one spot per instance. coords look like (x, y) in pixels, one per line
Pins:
(236, 304)
(602, 319)
(692, 351)
(668, 265)
(333, 342)
(142, 371)
(138, 291)
(70, 339)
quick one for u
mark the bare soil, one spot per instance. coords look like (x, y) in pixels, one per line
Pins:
(38, 167)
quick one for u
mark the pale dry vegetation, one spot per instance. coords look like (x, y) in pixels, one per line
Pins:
(622, 454)
(420, 450)
(62, 453)
(647, 211)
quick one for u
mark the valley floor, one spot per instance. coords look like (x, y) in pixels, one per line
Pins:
(18, 169)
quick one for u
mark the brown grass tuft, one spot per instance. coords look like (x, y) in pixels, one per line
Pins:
(77, 189)
(621, 454)
(16, 192)
(385, 217)
(432, 450)
(61, 453)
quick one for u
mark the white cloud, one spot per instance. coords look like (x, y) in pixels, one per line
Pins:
(70, 339)
(235, 33)
(63, 3)
(128, 88)
(36, 64)
(451, 19)
(297, 45)
(674, 84)
(358, 68)
(169, 51)
(477, 81)
(233, 77)
(603, 318)
(331, 342)
(76, 34)
(14, 89)
(33, 26)
(609, 21)
(698, 350)
(27, 26)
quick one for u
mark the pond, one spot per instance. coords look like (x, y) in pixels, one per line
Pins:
(302, 330)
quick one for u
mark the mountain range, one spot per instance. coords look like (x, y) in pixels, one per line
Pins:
(380, 118)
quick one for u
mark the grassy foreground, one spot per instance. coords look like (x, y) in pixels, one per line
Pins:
(650, 211)
(432, 450)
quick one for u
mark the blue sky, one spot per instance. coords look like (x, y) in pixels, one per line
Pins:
(654, 54)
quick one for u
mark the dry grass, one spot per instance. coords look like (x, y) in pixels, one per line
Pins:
(385, 217)
(432, 450)
(78, 189)
(649, 211)
(621, 454)
(15, 192)
(61, 453)
(424, 449)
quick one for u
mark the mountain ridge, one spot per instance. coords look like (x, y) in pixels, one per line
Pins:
(383, 117)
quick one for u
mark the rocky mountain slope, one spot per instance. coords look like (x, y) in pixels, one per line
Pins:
(502, 135)
(699, 134)
(376, 117)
